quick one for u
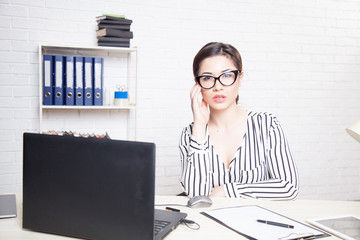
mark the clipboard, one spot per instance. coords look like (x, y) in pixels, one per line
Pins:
(243, 220)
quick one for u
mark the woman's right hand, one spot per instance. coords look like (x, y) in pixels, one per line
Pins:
(200, 111)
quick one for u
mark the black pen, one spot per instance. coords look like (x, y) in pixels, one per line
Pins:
(275, 223)
(172, 209)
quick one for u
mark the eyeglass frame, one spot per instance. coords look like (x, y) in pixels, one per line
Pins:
(236, 72)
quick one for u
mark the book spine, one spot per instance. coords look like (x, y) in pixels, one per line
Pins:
(114, 26)
(109, 32)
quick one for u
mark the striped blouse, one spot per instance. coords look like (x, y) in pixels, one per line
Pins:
(262, 167)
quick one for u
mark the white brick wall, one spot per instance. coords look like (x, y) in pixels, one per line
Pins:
(301, 62)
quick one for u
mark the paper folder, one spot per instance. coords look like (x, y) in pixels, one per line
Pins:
(58, 81)
(88, 81)
(48, 79)
(98, 81)
(79, 90)
(69, 80)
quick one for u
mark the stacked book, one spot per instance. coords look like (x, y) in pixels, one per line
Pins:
(113, 31)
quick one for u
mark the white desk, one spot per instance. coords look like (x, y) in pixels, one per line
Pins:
(300, 210)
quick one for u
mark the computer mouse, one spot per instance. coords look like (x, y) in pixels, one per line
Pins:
(199, 201)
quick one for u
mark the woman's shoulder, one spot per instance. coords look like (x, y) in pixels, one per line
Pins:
(188, 128)
(263, 118)
(260, 115)
(269, 119)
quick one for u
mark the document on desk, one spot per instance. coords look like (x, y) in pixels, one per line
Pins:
(244, 220)
(8, 206)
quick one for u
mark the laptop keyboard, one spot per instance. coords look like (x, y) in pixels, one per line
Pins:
(159, 225)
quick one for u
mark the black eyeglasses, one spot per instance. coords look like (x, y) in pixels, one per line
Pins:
(226, 79)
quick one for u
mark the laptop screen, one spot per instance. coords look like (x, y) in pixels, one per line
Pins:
(87, 187)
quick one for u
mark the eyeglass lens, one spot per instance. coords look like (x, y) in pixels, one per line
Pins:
(226, 79)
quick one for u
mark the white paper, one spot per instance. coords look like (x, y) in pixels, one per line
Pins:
(243, 219)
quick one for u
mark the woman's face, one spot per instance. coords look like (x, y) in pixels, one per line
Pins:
(219, 97)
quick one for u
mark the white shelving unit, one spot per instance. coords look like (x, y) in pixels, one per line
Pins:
(120, 68)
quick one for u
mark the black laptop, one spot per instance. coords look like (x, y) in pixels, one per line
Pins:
(92, 188)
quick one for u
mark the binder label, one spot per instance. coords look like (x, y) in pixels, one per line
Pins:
(70, 74)
(79, 75)
(47, 74)
(88, 75)
(98, 75)
(59, 74)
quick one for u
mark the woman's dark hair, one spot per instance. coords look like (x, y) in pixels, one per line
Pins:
(217, 49)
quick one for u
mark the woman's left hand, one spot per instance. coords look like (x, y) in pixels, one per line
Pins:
(217, 192)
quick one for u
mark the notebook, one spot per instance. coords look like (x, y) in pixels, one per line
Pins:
(91, 188)
(7, 206)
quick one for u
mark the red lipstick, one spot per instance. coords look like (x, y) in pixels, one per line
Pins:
(219, 98)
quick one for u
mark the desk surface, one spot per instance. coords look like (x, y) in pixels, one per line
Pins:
(299, 210)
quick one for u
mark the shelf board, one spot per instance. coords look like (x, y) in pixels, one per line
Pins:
(85, 50)
(110, 107)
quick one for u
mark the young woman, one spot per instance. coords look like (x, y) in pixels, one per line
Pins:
(229, 151)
